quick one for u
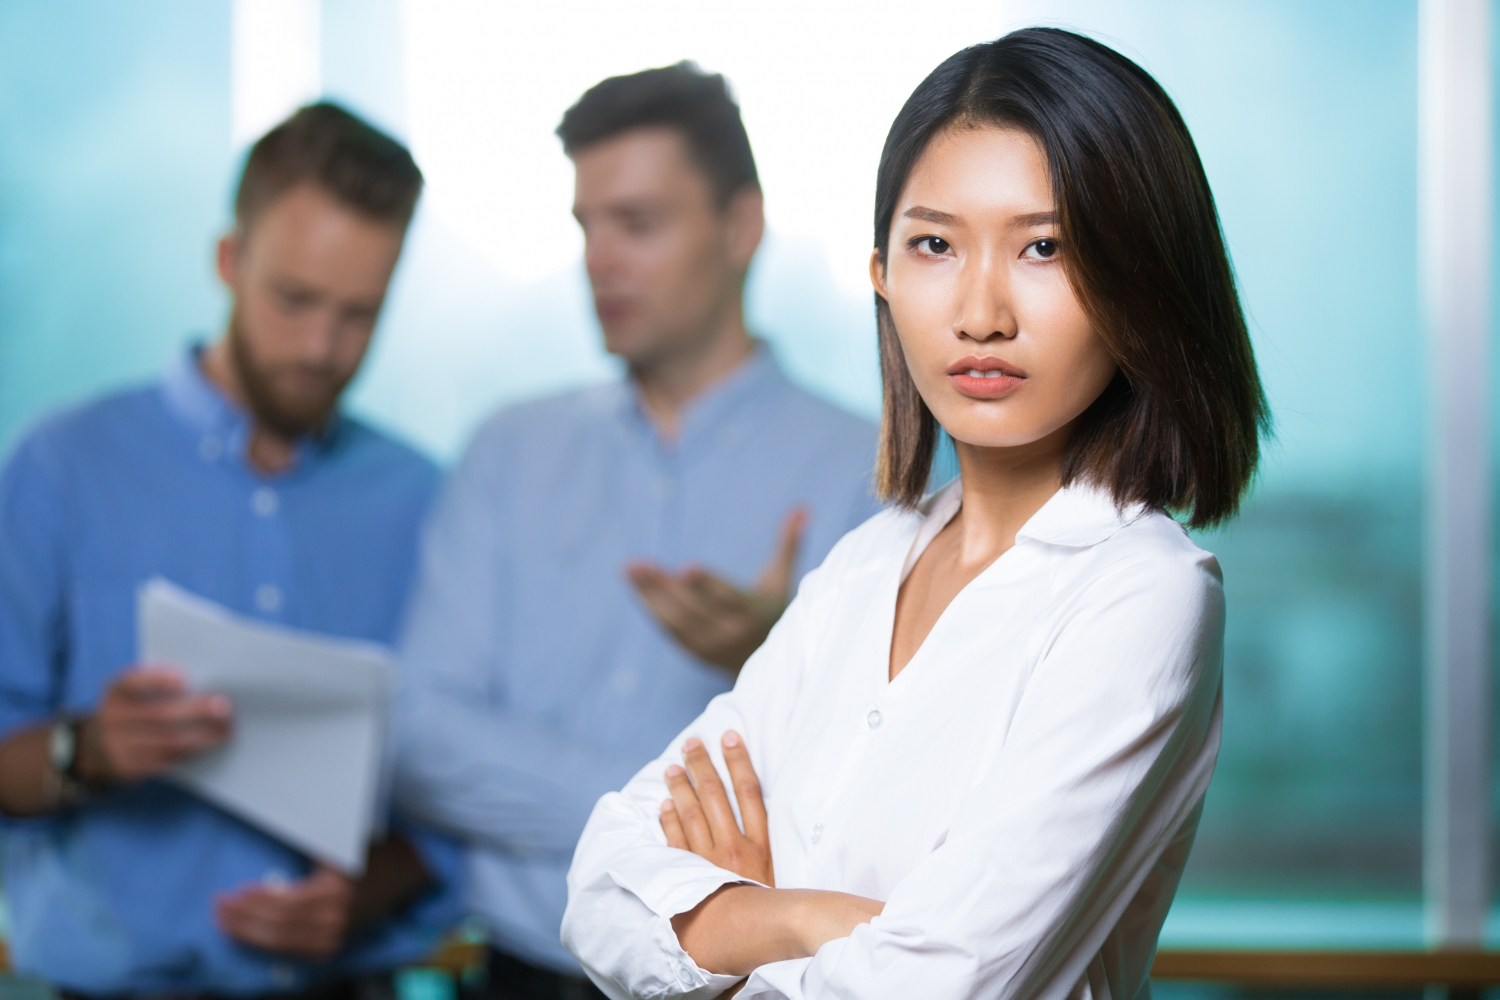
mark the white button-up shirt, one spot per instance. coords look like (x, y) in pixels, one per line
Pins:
(1023, 795)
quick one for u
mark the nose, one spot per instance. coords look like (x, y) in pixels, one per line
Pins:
(600, 258)
(984, 309)
(320, 337)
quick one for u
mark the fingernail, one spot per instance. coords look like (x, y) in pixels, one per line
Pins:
(668, 806)
(691, 745)
(675, 772)
(731, 739)
(218, 705)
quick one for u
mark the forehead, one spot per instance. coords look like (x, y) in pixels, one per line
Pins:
(969, 169)
(308, 234)
(647, 162)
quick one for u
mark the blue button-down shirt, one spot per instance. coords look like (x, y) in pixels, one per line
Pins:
(536, 679)
(117, 896)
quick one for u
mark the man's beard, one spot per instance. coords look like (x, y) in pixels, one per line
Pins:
(283, 414)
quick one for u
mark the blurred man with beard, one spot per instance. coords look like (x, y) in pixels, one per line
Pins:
(236, 477)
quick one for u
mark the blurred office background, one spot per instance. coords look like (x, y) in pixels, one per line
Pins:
(122, 127)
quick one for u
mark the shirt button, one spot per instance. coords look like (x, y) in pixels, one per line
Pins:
(817, 832)
(267, 597)
(265, 502)
(283, 976)
(874, 718)
(210, 448)
(625, 681)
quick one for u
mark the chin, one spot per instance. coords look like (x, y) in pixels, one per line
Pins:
(976, 431)
(622, 341)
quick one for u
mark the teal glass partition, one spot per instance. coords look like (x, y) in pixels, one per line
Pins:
(114, 179)
(1305, 116)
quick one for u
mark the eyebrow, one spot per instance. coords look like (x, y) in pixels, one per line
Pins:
(930, 215)
(945, 219)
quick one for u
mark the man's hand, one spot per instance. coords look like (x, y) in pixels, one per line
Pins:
(307, 918)
(312, 918)
(146, 724)
(711, 617)
(698, 818)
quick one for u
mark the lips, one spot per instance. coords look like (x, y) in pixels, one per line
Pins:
(612, 310)
(985, 377)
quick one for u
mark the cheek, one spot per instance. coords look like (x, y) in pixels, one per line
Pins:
(921, 300)
(263, 319)
(688, 271)
(1080, 368)
(351, 349)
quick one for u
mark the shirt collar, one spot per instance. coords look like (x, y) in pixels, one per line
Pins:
(222, 426)
(1078, 515)
(196, 401)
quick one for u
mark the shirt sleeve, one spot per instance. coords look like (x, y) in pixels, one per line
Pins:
(1105, 766)
(32, 568)
(464, 763)
(626, 884)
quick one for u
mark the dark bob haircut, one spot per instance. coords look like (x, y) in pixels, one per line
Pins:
(1178, 429)
(322, 144)
(681, 97)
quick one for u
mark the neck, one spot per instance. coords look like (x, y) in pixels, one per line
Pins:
(668, 384)
(1003, 488)
(269, 452)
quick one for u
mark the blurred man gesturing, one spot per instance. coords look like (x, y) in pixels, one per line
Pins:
(604, 561)
(236, 477)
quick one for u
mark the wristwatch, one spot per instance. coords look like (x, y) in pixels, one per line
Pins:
(62, 751)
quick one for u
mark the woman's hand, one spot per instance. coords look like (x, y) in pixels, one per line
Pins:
(698, 817)
(742, 927)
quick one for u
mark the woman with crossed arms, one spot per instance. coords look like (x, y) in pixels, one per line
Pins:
(971, 758)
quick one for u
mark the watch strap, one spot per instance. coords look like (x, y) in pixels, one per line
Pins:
(62, 752)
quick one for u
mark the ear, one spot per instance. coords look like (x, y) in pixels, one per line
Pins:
(877, 273)
(746, 213)
(227, 258)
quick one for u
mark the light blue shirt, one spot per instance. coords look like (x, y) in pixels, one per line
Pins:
(116, 897)
(537, 681)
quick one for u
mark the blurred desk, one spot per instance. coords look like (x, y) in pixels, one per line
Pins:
(1239, 967)
(457, 957)
(1344, 968)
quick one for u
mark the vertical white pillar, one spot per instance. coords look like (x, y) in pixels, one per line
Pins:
(1455, 181)
(276, 62)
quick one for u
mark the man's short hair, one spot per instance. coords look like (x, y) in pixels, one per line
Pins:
(682, 97)
(322, 144)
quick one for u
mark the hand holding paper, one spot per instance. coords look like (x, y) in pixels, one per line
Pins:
(309, 721)
(147, 723)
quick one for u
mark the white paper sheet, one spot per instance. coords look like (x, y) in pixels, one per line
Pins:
(304, 763)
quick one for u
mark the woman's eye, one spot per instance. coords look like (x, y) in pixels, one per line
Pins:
(1043, 249)
(935, 245)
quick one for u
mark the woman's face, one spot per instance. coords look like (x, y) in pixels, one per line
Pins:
(995, 338)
